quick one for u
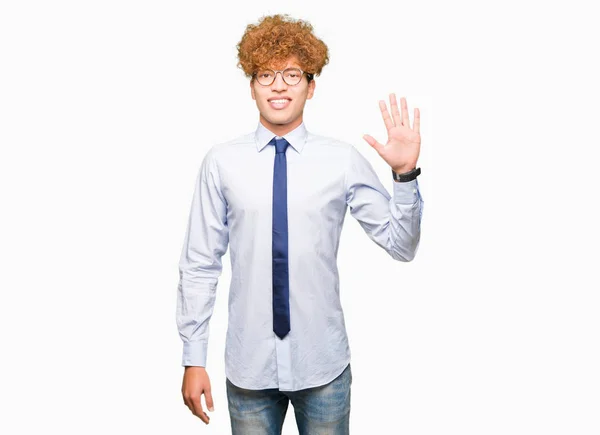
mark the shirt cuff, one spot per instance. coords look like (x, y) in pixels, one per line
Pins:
(406, 192)
(194, 353)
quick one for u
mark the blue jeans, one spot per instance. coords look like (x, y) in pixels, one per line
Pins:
(319, 410)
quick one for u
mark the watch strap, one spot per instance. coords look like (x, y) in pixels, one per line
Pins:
(406, 176)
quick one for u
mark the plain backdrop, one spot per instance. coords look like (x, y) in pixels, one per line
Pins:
(107, 109)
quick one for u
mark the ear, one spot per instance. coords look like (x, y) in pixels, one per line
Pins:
(311, 89)
(252, 89)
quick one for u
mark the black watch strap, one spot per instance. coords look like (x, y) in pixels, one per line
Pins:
(406, 176)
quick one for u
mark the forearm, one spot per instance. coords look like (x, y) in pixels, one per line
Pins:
(194, 310)
(406, 207)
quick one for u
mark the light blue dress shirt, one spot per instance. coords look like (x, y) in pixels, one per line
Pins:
(232, 206)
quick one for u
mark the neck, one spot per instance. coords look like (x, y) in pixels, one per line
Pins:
(281, 129)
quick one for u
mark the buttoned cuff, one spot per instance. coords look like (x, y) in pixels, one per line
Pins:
(194, 353)
(406, 192)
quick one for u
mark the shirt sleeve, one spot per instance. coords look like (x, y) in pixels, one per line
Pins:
(200, 266)
(392, 222)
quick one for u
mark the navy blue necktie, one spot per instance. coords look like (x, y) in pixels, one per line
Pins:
(281, 282)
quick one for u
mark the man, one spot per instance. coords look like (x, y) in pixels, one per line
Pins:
(279, 196)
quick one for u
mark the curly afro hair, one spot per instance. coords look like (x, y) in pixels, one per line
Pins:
(277, 37)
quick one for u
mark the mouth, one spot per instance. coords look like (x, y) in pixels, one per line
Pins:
(279, 103)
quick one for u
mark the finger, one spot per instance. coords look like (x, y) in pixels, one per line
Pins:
(417, 121)
(386, 116)
(198, 411)
(395, 111)
(188, 402)
(209, 400)
(371, 141)
(405, 120)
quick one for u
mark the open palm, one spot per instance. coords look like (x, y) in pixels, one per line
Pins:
(402, 149)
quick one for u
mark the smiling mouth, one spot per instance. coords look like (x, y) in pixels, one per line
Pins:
(279, 104)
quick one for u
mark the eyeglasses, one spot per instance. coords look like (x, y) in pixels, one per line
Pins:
(291, 76)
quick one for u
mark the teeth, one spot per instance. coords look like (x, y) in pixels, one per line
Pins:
(279, 101)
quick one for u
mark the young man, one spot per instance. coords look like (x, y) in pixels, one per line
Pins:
(278, 196)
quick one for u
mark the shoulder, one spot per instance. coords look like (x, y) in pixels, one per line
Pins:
(220, 152)
(330, 143)
(344, 151)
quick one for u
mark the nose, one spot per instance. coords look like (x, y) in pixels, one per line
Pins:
(279, 83)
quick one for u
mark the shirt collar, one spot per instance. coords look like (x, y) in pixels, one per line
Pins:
(296, 137)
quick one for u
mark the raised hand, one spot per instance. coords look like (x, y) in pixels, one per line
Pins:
(404, 143)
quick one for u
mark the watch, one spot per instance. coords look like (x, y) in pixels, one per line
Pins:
(406, 176)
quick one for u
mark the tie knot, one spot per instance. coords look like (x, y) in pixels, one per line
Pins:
(281, 145)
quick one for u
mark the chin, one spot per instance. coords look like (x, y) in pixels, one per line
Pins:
(278, 120)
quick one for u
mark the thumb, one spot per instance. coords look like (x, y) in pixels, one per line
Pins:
(371, 141)
(209, 400)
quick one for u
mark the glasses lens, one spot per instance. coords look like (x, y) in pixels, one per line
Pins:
(292, 76)
(265, 77)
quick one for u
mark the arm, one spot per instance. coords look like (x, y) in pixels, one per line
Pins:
(200, 266)
(393, 222)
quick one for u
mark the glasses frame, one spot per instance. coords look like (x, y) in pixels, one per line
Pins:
(309, 76)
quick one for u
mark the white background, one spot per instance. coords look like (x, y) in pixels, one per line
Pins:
(106, 111)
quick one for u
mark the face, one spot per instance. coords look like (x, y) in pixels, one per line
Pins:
(282, 118)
